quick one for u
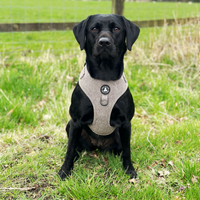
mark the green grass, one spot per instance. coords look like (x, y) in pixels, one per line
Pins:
(164, 78)
(33, 43)
(66, 11)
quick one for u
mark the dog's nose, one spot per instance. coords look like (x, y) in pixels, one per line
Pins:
(104, 41)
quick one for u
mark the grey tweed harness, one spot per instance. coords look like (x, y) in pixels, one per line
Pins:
(103, 96)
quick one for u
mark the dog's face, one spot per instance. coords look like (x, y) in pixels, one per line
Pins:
(106, 36)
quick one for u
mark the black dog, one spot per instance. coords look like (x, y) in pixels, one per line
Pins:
(105, 39)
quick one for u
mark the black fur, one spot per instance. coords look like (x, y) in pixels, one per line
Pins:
(105, 39)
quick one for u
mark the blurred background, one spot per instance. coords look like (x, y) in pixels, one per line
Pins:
(31, 27)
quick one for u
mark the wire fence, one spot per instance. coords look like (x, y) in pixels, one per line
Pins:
(14, 13)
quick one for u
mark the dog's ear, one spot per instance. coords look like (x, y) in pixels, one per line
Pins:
(79, 32)
(132, 32)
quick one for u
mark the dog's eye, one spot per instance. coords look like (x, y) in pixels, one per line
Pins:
(94, 29)
(116, 29)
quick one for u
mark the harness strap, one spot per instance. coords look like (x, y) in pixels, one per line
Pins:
(103, 96)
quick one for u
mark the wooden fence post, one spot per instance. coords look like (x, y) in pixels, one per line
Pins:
(118, 7)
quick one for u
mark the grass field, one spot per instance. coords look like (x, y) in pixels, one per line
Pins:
(38, 72)
(164, 80)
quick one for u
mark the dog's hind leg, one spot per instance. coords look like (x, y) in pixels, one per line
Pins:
(73, 131)
(125, 136)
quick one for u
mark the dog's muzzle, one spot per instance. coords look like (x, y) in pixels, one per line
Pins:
(104, 48)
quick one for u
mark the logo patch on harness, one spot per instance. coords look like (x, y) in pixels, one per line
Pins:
(105, 89)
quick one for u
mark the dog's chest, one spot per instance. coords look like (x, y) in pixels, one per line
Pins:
(103, 96)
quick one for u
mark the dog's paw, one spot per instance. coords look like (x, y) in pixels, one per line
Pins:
(132, 173)
(64, 174)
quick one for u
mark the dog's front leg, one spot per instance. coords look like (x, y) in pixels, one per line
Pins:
(74, 134)
(125, 136)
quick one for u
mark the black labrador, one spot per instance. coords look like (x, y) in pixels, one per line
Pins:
(105, 39)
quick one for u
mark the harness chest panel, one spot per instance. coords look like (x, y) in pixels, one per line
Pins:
(103, 96)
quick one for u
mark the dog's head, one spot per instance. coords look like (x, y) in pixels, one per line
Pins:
(106, 36)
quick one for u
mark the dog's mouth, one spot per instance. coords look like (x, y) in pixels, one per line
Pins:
(105, 52)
